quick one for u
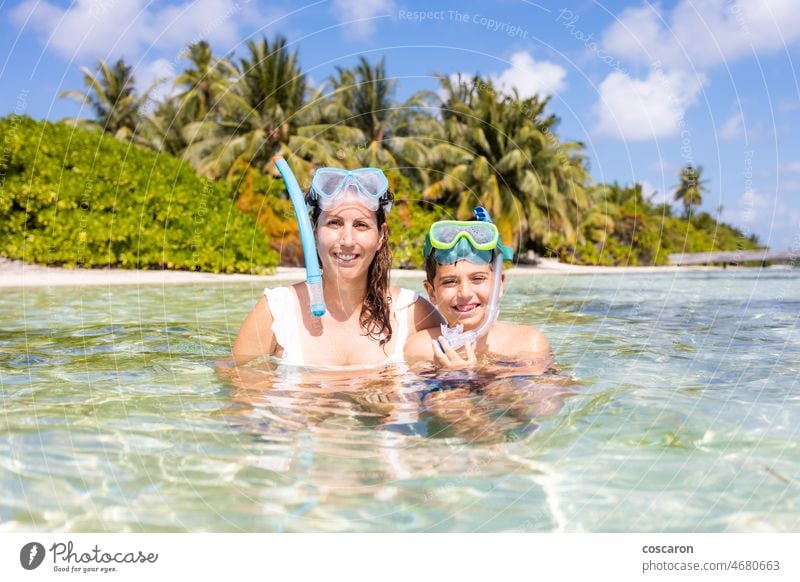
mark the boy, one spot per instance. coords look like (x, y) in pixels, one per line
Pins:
(460, 264)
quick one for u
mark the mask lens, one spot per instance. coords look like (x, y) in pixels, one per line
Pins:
(327, 183)
(373, 183)
(481, 234)
(333, 185)
(447, 233)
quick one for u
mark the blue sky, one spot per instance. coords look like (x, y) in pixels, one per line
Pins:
(647, 87)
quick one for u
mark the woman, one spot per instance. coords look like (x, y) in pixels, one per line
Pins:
(366, 322)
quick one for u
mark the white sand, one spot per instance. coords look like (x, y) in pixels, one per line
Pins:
(18, 274)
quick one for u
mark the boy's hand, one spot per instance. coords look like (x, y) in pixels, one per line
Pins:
(446, 357)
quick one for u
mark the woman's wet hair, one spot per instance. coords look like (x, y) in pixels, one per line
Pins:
(376, 312)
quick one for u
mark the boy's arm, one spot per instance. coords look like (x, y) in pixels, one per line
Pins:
(536, 342)
(529, 347)
(519, 341)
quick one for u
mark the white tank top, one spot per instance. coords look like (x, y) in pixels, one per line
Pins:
(286, 324)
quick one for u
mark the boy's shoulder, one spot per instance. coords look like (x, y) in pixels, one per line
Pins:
(514, 338)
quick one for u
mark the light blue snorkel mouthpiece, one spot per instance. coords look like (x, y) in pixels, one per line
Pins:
(313, 273)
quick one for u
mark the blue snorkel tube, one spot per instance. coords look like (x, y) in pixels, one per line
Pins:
(456, 337)
(313, 273)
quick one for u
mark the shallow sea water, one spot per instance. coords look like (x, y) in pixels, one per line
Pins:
(677, 409)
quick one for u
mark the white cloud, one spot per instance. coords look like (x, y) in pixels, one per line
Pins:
(98, 29)
(86, 29)
(661, 166)
(702, 33)
(155, 76)
(531, 77)
(691, 36)
(791, 167)
(768, 215)
(791, 187)
(360, 15)
(192, 21)
(733, 127)
(527, 76)
(636, 110)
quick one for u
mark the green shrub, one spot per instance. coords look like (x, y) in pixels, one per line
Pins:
(638, 232)
(74, 197)
(265, 198)
(409, 221)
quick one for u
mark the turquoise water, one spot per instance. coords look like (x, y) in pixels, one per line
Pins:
(681, 414)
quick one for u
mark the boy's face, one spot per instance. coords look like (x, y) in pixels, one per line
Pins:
(461, 292)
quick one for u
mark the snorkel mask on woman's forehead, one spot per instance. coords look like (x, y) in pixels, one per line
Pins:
(330, 187)
(477, 242)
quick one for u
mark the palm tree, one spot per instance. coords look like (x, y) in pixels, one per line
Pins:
(260, 117)
(113, 97)
(364, 94)
(368, 127)
(690, 189)
(500, 152)
(204, 90)
(205, 84)
(166, 127)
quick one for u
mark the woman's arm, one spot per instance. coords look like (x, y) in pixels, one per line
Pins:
(424, 325)
(418, 346)
(255, 338)
(424, 316)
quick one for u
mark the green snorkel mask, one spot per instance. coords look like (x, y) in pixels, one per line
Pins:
(475, 241)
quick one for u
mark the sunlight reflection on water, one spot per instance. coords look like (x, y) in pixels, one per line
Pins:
(676, 410)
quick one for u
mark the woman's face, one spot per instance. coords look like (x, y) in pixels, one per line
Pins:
(348, 238)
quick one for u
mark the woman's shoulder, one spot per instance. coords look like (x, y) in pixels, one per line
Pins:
(423, 313)
(285, 293)
(284, 289)
(403, 294)
(403, 300)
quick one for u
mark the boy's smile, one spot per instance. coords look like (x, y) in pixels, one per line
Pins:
(461, 292)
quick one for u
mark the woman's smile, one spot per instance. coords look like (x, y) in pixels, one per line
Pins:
(348, 238)
(345, 259)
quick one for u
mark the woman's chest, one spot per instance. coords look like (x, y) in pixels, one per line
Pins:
(344, 344)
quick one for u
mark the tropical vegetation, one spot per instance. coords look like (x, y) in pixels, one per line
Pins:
(690, 189)
(468, 143)
(74, 197)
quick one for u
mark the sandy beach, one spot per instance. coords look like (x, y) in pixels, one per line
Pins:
(19, 274)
